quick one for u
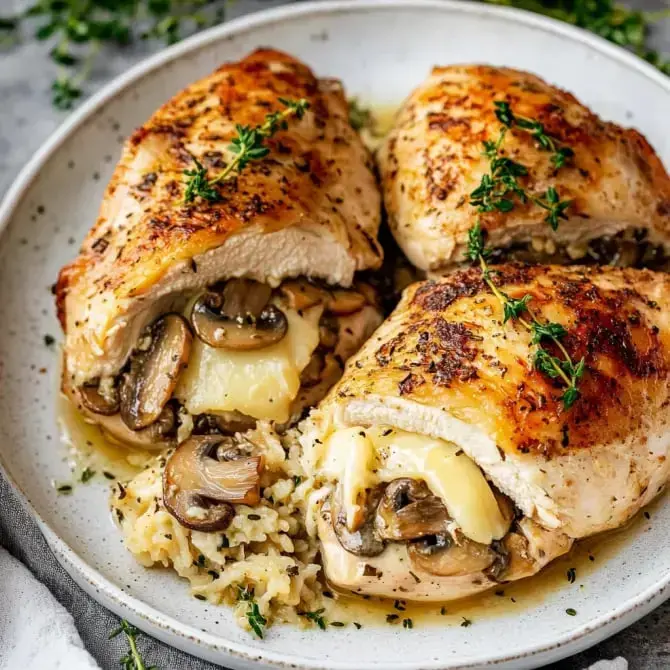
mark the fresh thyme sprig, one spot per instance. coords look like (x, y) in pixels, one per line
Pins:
(248, 145)
(498, 188)
(559, 155)
(519, 310)
(132, 660)
(256, 620)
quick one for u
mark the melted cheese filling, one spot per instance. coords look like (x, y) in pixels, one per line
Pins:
(260, 383)
(360, 458)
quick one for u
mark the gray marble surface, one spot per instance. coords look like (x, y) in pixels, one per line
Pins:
(26, 120)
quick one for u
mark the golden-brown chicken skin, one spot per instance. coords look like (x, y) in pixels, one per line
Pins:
(432, 161)
(454, 464)
(445, 364)
(311, 207)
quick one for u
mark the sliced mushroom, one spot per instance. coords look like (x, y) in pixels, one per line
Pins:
(148, 386)
(329, 331)
(408, 510)
(161, 434)
(344, 301)
(198, 489)
(99, 397)
(227, 423)
(238, 317)
(301, 294)
(448, 557)
(364, 541)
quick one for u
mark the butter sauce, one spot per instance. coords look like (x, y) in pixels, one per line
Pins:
(584, 558)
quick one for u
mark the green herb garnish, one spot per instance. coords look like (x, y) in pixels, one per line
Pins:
(500, 186)
(77, 30)
(132, 660)
(570, 611)
(628, 28)
(360, 117)
(519, 310)
(87, 474)
(316, 617)
(247, 145)
(256, 620)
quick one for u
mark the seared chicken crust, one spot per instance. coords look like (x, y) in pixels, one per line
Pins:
(310, 208)
(432, 160)
(444, 364)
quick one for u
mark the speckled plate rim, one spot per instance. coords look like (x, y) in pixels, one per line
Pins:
(212, 647)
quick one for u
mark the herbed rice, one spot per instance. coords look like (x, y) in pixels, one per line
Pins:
(270, 548)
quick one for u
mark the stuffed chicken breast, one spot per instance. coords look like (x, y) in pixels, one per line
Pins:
(451, 454)
(218, 286)
(475, 142)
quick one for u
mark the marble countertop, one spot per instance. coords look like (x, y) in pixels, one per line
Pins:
(27, 118)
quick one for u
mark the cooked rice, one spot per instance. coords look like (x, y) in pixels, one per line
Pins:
(266, 548)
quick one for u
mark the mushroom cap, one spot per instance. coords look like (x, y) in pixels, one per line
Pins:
(198, 489)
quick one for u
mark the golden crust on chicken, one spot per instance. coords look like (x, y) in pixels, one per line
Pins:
(434, 158)
(446, 393)
(237, 302)
(311, 207)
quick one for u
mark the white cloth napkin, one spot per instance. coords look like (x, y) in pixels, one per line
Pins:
(37, 632)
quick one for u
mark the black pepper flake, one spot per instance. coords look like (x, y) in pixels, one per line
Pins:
(122, 491)
(213, 574)
(358, 626)
(199, 596)
(108, 475)
(64, 489)
(572, 575)
(49, 340)
(407, 623)
(443, 610)
(337, 624)
(392, 618)
(254, 517)
(416, 579)
(292, 570)
(466, 622)
(647, 515)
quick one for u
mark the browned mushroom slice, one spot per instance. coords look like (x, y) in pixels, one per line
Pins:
(227, 423)
(198, 489)
(161, 434)
(301, 294)
(409, 510)
(443, 555)
(148, 385)
(238, 317)
(364, 541)
(100, 398)
(343, 301)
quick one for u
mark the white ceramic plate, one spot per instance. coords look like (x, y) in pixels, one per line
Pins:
(381, 50)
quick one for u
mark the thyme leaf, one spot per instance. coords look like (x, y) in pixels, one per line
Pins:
(500, 186)
(133, 659)
(316, 617)
(247, 145)
(519, 310)
(256, 620)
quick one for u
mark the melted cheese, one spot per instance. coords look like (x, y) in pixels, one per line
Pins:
(259, 383)
(361, 457)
